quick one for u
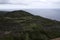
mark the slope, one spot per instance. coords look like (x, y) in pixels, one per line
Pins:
(21, 25)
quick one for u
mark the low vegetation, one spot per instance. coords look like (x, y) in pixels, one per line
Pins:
(21, 25)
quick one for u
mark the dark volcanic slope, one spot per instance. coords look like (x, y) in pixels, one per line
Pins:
(21, 25)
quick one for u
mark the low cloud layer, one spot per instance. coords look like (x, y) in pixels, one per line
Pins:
(18, 4)
(4, 1)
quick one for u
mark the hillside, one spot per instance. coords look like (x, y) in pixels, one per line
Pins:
(22, 25)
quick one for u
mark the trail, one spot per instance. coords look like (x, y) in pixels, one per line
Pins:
(56, 39)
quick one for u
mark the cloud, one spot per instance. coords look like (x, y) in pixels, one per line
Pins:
(3, 1)
(18, 4)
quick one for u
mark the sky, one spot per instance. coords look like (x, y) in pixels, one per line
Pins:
(29, 4)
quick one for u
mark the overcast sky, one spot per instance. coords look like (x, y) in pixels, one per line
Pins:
(29, 4)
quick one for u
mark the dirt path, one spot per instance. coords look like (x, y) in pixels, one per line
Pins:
(56, 39)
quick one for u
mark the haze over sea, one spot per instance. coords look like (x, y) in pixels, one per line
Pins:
(53, 14)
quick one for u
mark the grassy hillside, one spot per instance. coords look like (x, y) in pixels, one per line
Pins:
(21, 25)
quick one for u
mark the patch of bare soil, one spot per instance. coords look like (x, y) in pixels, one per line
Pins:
(56, 39)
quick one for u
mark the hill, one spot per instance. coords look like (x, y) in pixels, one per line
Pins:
(22, 25)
